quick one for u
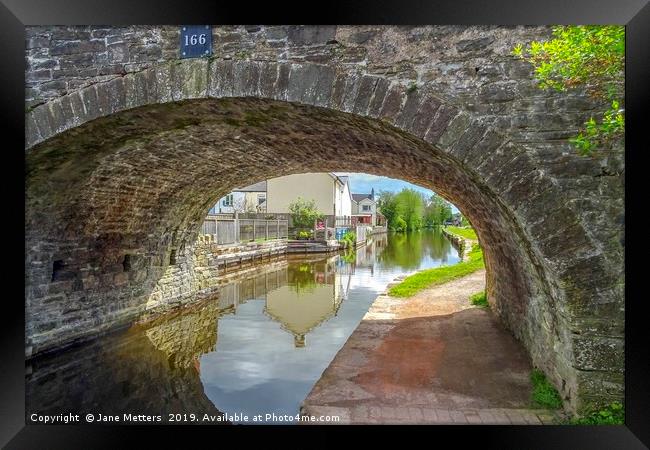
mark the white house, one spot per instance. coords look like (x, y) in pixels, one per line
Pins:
(364, 207)
(250, 198)
(330, 192)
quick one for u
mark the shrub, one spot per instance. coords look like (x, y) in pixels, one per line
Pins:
(304, 234)
(304, 213)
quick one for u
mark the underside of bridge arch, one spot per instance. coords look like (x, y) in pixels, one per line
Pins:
(108, 203)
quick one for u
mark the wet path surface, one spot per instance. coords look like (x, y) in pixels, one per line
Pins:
(431, 358)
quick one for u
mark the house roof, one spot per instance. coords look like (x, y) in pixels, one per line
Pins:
(358, 197)
(257, 187)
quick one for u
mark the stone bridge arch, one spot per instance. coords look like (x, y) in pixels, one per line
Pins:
(130, 164)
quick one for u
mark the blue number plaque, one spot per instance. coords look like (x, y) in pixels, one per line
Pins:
(196, 41)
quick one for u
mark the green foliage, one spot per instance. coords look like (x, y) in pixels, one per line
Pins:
(590, 56)
(388, 207)
(410, 207)
(304, 234)
(349, 256)
(612, 414)
(611, 126)
(349, 239)
(467, 233)
(409, 210)
(412, 87)
(437, 211)
(479, 299)
(399, 224)
(439, 275)
(464, 222)
(304, 213)
(544, 393)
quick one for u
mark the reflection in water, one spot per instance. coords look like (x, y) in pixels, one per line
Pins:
(152, 371)
(277, 331)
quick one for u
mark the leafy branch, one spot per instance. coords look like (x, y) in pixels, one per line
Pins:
(589, 56)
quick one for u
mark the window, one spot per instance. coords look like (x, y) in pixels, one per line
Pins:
(227, 200)
(365, 208)
(261, 198)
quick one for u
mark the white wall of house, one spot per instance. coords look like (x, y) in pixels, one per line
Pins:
(282, 191)
(240, 202)
(227, 203)
(346, 201)
(368, 206)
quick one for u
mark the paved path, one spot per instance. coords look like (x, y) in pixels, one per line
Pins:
(429, 359)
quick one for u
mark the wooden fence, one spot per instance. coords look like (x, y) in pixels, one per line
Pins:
(229, 230)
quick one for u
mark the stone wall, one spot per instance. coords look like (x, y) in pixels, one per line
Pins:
(461, 244)
(128, 147)
(201, 270)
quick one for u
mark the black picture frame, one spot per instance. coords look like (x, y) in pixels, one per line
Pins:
(16, 14)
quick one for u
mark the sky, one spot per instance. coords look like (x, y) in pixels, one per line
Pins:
(361, 183)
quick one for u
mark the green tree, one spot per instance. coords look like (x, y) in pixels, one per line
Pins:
(399, 224)
(304, 213)
(437, 211)
(589, 56)
(410, 206)
(388, 207)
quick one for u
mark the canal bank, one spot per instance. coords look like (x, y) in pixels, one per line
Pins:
(432, 358)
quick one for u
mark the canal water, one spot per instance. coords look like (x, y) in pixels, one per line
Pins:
(257, 348)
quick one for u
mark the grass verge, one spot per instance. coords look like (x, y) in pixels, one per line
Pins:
(544, 393)
(439, 275)
(467, 233)
(479, 299)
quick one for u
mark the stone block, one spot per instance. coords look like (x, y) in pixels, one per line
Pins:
(221, 79)
(497, 92)
(469, 45)
(302, 82)
(392, 103)
(424, 117)
(378, 96)
(599, 353)
(268, 78)
(453, 131)
(310, 34)
(409, 110)
(190, 79)
(467, 141)
(324, 86)
(352, 84)
(366, 88)
(443, 116)
(246, 78)
(338, 91)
